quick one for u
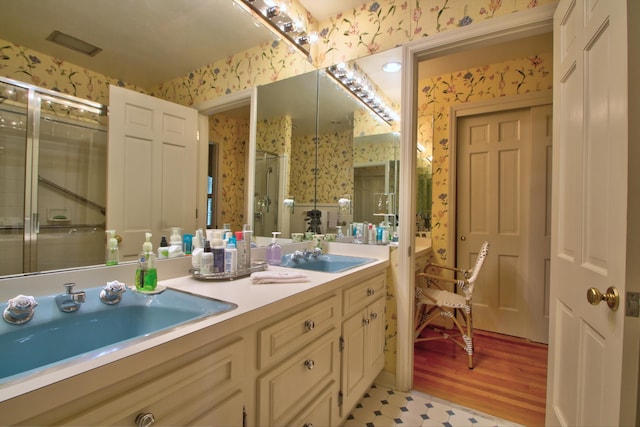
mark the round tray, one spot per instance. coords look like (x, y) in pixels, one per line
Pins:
(255, 266)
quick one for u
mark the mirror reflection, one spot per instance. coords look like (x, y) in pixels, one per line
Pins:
(338, 163)
(53, 157)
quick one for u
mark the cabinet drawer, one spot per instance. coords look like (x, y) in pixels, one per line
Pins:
(292, 333)
(321, 412)
(292, 385)
(362, 294)
(181, 396)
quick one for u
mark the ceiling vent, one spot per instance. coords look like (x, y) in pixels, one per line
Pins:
(73, 43)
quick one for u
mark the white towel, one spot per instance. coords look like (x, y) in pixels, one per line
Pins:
(277, 277)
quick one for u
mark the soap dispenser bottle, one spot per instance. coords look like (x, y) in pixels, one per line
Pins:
(274, 251)
(146, 273)
(175, 247)
(113, 253)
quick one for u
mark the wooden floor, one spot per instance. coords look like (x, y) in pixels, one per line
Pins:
(508, 381)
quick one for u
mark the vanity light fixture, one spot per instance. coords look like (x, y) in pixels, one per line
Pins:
(275, 16)
(358, 86)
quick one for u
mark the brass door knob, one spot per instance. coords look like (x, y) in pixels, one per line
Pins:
(612, 297)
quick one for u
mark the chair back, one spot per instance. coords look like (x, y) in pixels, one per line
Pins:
(484, 251)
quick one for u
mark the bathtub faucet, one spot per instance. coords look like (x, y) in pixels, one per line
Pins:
(70, 301)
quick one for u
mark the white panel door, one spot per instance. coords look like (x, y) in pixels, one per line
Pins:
(494, 153)
(151, 168)
(589, 213)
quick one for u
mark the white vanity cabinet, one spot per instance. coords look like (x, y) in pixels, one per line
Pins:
(362, 338)
(302, 360)
(299, 361)
(202, 387)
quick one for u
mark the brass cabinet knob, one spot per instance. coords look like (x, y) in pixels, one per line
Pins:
(612, 297)
(309, 325)
(309, 364)
(145, 419)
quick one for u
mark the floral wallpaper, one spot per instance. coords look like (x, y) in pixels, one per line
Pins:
(26, 65)
(335, 167)
(233, 136)
(438, 94)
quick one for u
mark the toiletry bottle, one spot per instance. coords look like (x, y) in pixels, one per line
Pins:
(247, 236)
(231, 256)
(187, 243)
(175, 248)
(163, 250)
(146, 273)
(274, 251)
(113, 254)
(206, 259)
(196, 253)
(217, 248)
(241, 247)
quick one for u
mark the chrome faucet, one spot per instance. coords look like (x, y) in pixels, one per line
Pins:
(70, 301)
(296, 256)
(19, 309)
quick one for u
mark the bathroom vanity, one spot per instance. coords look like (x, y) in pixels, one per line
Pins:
(289, 354)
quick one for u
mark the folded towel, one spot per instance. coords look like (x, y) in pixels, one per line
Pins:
(278, 277)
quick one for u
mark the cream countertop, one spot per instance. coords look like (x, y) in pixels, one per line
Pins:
(255, 302)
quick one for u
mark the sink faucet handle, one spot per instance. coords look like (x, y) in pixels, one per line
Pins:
(69, 287)
(19, 309)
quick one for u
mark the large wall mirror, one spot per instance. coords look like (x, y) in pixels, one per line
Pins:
(325, 160)
(71, 205)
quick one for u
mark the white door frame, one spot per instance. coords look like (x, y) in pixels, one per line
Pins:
(518, 25)
(219, 105)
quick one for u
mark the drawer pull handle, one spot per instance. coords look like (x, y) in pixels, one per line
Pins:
(370, 292)
(365, 322)
(307, 425)
(309, 325)
(374, 316)
(145, 420)
(309, 364)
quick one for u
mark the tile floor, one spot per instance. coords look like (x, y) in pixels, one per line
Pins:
(382, 407)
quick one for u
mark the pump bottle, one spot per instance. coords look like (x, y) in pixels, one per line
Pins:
(113, 253)
(274, 251)
(146, 273)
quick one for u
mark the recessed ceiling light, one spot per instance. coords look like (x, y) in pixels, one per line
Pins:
(391, 67)
(73, 43)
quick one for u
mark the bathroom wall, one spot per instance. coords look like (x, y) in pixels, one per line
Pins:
(233, 136)
(437, 94)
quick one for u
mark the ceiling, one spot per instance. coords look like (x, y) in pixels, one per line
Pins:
(144, 42)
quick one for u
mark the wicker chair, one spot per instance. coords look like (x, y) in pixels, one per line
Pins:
(432, 302)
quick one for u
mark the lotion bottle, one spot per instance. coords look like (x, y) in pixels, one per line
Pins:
(113, 253)
(274, 251)
(146, 273)
(196, 253)
(217, 247)
(231, 256)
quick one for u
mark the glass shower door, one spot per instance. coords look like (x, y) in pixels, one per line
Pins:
(70, 178)
(13, 138)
